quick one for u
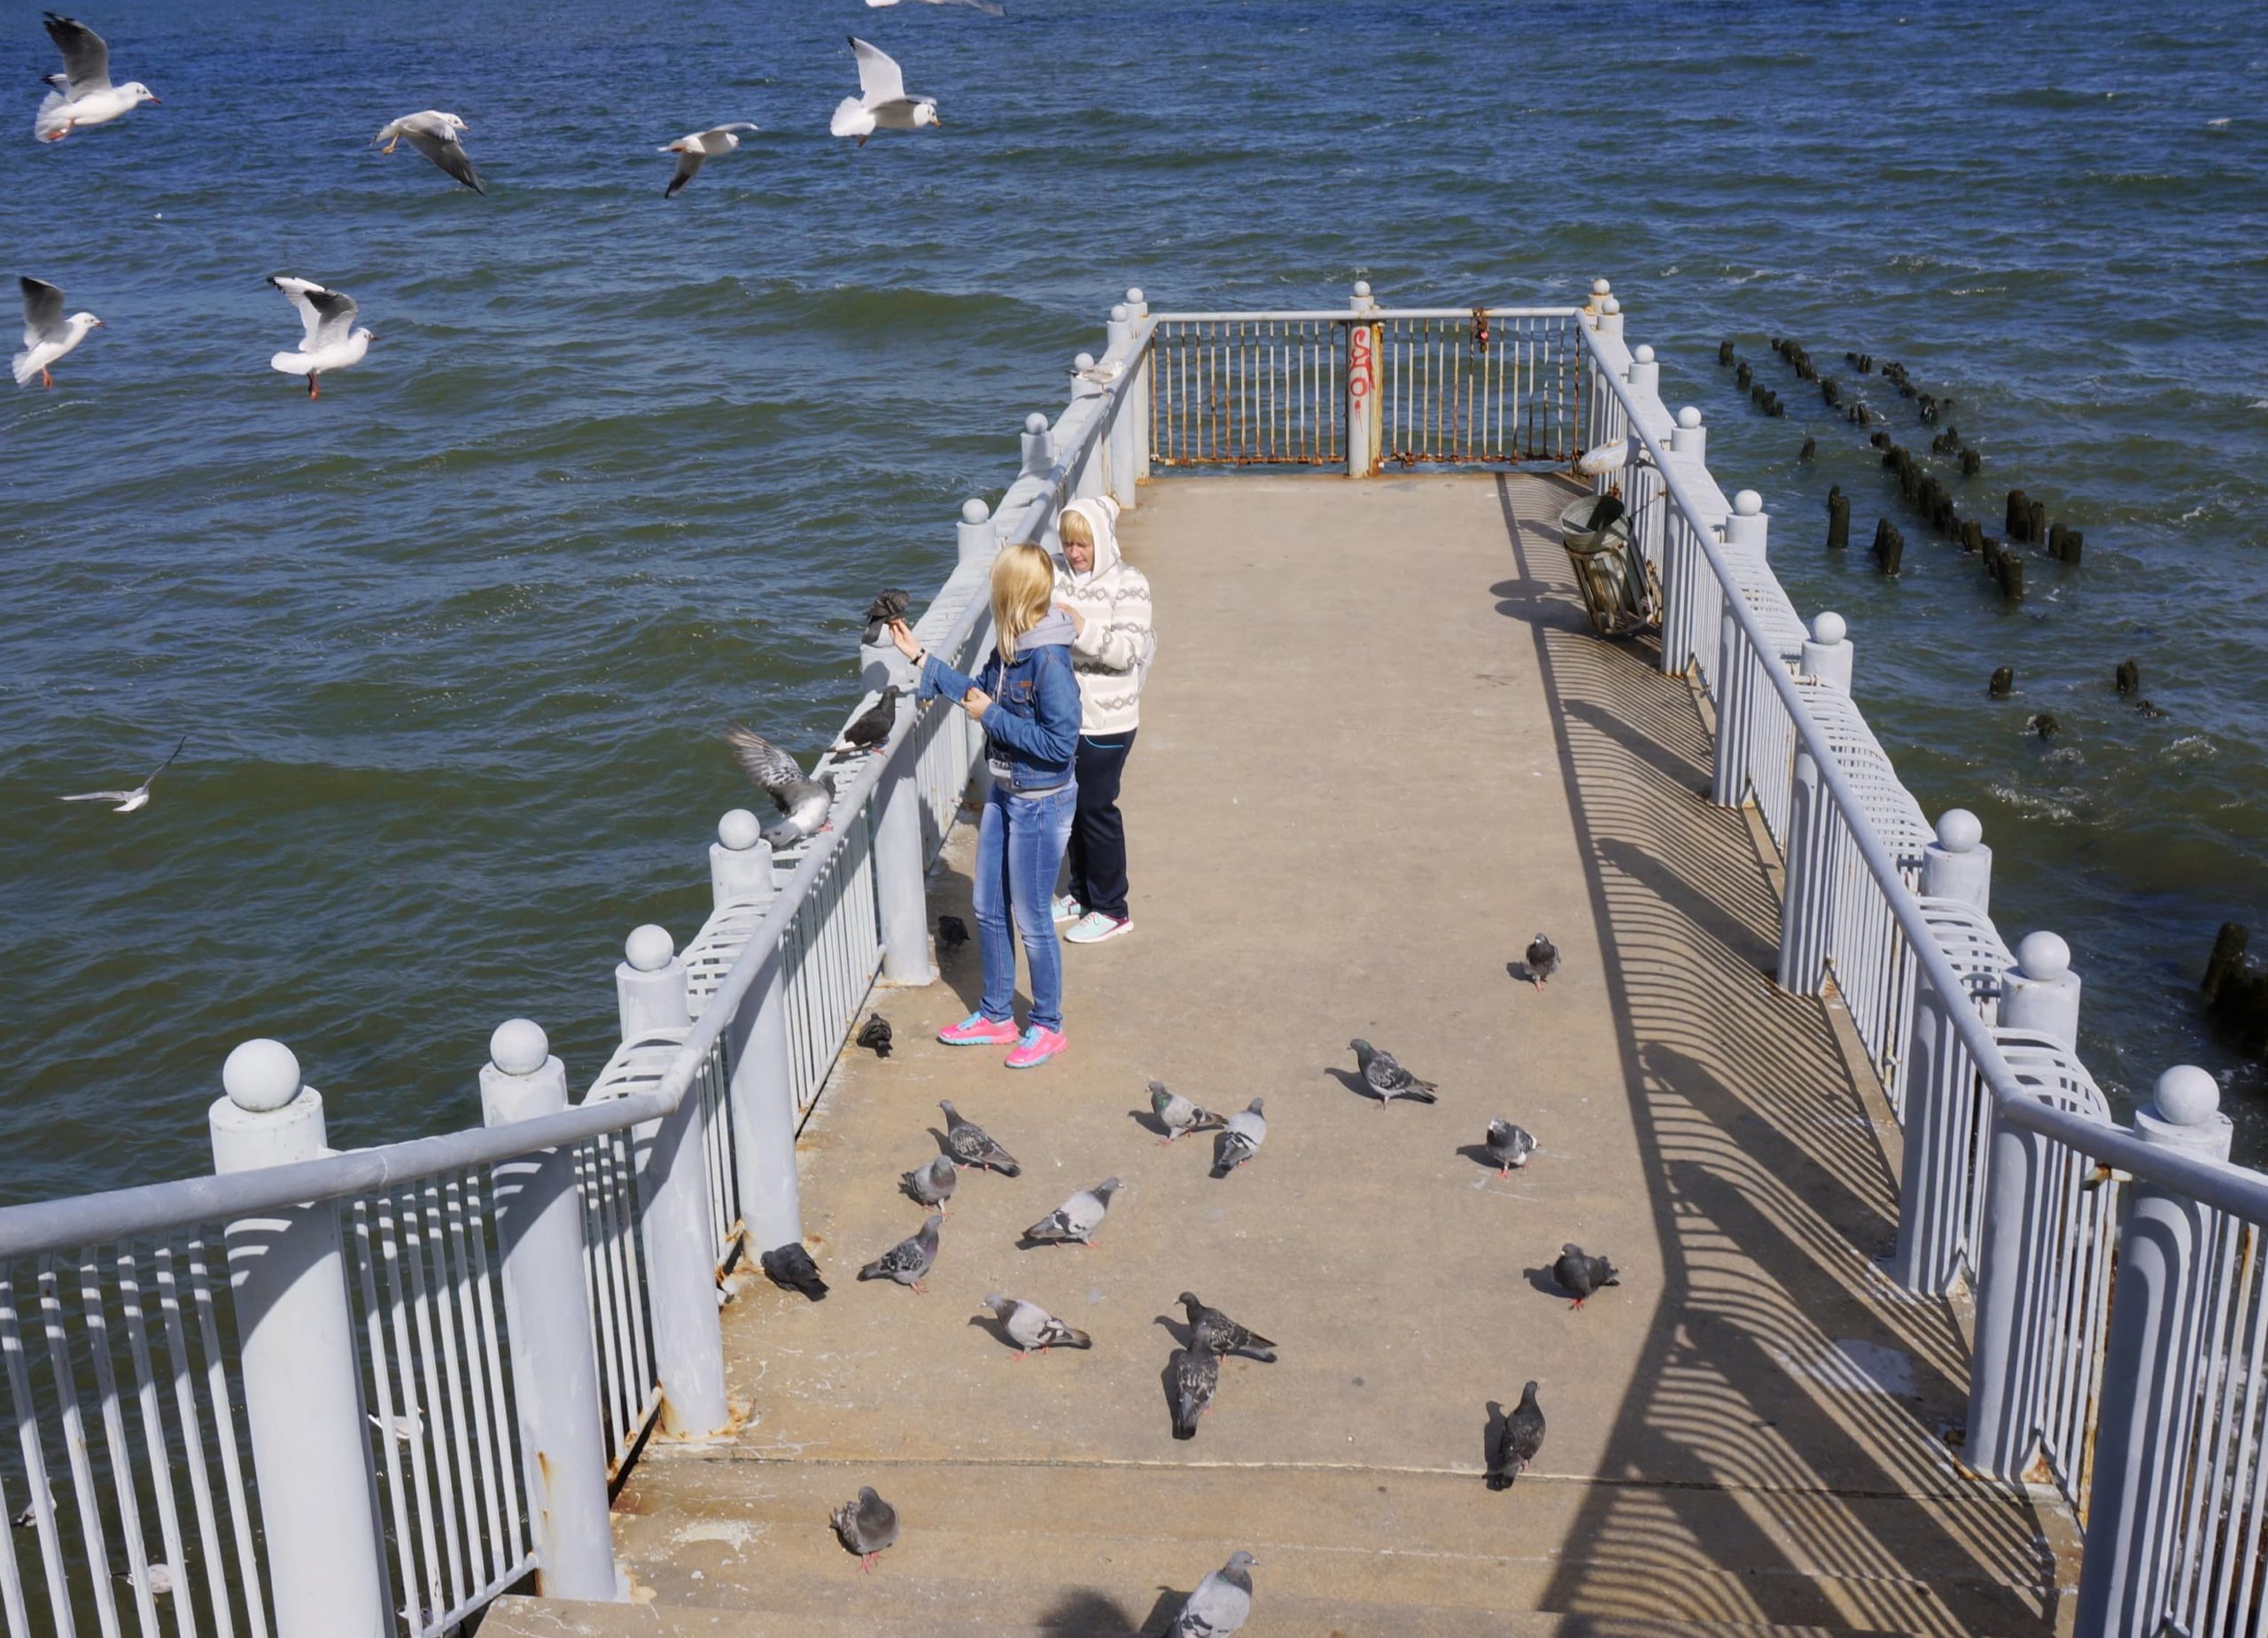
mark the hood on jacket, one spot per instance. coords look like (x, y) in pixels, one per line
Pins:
(1055, 630)
(1101, 515)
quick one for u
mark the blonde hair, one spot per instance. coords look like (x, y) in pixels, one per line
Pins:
(1076, 529)
(1024, 586)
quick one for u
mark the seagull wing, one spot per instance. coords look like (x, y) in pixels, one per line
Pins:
(328, 315)
(43, 310)
(102, 795)
(727, 129)
(297, 292)
(86, 58)
(772, 768)
(880, 79)
(688, 166)
(988, 7)
(168, 763)
(446, 151)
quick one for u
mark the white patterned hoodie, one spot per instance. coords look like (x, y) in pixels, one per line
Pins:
(1112, 653)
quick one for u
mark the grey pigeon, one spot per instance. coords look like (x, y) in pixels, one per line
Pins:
(791, 1268)
(952, 933)
(1077, 1217)
(1509, 1145)
(970, 1145)
(874, 1035)
(1247, 1130)
(1030, 1326)
(867, 1526)
(1196, 1375)
(1212, 1331)
(1583, 1275)
(872, 726)
(1221, 1603)
(934, 1184)
(1386, 1078)
(887, 606)
(1542, 959)
(1177, 1113)
(1517, 1442)
(802, 803)
(909, 1260)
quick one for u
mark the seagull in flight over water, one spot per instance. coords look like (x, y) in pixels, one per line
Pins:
(129, 801)
(83, 93)
(881, 103)
(440, 138)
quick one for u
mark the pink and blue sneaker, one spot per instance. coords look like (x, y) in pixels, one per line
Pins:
(978, 1030)
(1037, 1047)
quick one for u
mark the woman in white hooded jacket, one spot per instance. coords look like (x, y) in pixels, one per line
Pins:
(1108, 601)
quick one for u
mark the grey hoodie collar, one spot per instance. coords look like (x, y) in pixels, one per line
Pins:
(1054, 631)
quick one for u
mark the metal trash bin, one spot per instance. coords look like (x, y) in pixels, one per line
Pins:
(1612, 584)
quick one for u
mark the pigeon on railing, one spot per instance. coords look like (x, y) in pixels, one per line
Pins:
(872, 726)
(802, 802)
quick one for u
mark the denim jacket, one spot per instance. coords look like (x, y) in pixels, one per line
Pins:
(1031, 728)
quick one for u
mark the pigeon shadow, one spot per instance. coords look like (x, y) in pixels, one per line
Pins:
(1478, 1154)
(1545, 1281)
(1159, 1622)
(1492, 1432)
(1520, 971)
(1173, 1402)
(1147, 1120)
(1087, 1613)
(1182, 1336)
(1353, 1082)
(992, 1327)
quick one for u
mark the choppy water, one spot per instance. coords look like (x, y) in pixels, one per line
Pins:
(449, 643)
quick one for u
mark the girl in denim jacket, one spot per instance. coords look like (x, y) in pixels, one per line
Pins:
(1027, 699)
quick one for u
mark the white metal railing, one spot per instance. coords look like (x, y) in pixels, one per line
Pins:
(2116, 1267)
(382, 1417)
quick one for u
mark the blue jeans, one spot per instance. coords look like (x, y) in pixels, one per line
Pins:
(1019, 847)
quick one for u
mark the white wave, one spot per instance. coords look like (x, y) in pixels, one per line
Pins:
(2191, 747)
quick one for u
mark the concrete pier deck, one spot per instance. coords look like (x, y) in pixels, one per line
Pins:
(1380, 748)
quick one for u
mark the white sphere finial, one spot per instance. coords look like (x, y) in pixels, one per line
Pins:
(649, 948)
(1829, 628)
(1599, 287)
(1609, 305)
(1035, 423)
(1643, 353)
(261, 1075)
(974, 511)
(739, 830)
(1959, 830)
(1362, 287)
(2043, 955)
(2186, 1096)
(1120, 313)
(1084, 360)
(1748, 503)
(1134, 296)
(519, 1046)
(1689, 416)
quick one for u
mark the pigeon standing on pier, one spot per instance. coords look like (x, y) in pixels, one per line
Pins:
(47, 335)
(933, 1184)
(1032, 1327)
(1517, 1442)
(952, 933)
(802, 803)
(1212, 1331)
(83, 94)
(1388, 1079)
(1582, 1276)
(790, 1268)
(1196, 1376)
(440, 137)
(872, 726)
(910, 1259)
(970, 1145)
(1542, 959)
(1509, 1145)
(874, 1035)
(867, 1526)
(1077, 1218)
(1177, 1113)
(1221, 1603)
(1247, 1130)
(881, 103)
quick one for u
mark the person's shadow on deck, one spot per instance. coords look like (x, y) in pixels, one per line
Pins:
(1090, 1614)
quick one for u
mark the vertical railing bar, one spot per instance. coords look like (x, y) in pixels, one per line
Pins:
(75, 1445)
(200, 1481)
(97, 1323)
(453, 1371)
(2241, 1544)
(483, 1288)
(40, 1490)
(469, 1324)
(389, 1418)
(401, 1263)
(595, 1292)
(154, 1441)
(224, 1432)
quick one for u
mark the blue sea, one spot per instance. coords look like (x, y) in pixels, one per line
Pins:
(451, 644)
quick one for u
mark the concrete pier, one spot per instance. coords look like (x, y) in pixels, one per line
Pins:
(1380, 750)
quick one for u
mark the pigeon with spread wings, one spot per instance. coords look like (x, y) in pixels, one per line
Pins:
(802, 802)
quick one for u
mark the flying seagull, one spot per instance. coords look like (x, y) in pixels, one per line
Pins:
(881, 103)
(83, 93)
(698, 147)
(802, 803)
(436, 135)
(130, 801)
(47, 335)
(332, 341)
(991, 9)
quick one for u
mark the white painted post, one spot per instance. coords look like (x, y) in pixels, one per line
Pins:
(1958, 864)
(2147, 1415)
(1750, 524)
(1610, 317)
(975, 537)
(739, 861)
(1138, 392)
(1645, 373)
(1734, 671)
(2041, 993)
(1806, 905)
(1364, 427)
(901, 892)
(302, 1375)
(673, 1191)
(1040, 446)
(1121, 440)
(763, 1096)
(548, 1316)
(1600, 291)
(1689, 438)
(2001, 1429)
(1827, 653)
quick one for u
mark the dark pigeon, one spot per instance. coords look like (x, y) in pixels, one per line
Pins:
(970, 1145)
(887, 606)
(1388, 1079)
(1212, 1331)
(909, 1260)
(1517, 1442)
(867, 1526)
(802, 803)
(1509, 1145)
(1542, 959)
(1582, 1276)
(952, 933)
(872, 726)
(1196, 1376)
(874, 1035)
(790, 1268)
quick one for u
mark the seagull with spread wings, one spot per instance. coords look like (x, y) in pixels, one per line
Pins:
(83, 93)
(991, 8)
(696, 148)
(47, 335)
(332, 341)
(881, 103)
(440, 138)
(129, 801)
